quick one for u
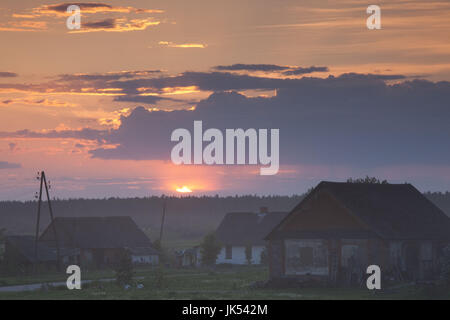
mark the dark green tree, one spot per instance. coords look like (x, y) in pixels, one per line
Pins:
(163, 254)
(367, 179)
(124, 269)
(209, 249)
(248, 254)
(160, 278)
(264, 259)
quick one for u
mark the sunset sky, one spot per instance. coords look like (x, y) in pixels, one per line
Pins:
(95, 107)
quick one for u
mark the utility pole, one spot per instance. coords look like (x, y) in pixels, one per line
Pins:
(37, 223)
(44, 184)
(162, 220)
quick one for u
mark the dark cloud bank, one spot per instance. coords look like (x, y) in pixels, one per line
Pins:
(62, 7)
(286, 70)
(9, 165)
(4, 74)
(355, 120)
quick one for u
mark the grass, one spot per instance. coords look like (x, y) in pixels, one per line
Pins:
(58, 277)
(233, 283)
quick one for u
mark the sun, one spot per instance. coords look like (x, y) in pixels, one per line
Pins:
(184, 189)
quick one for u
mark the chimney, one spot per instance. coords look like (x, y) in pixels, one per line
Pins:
(262, 213)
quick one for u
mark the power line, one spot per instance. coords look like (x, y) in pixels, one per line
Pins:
(43, 183)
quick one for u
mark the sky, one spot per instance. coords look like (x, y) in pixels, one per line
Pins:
(95, 107)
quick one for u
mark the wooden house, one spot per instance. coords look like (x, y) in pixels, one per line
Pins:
(23, 256)
(101, 240)
(339, 229)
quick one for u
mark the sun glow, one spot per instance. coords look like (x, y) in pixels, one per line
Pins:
(184, 189)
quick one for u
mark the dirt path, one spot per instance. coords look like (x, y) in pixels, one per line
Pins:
(38, 286)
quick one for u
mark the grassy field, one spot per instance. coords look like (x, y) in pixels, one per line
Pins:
(30, 279)
(234, 283)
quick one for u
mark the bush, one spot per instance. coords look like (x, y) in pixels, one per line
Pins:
(209, 249)
(264, 259)
(165, 257)
(160, 279)
(248, 254)
(124, 269)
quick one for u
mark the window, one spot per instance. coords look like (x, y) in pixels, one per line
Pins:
(228, 252)
(349, 255)
(306, 257)
(321, 257)
(354, 253)
(426, 251)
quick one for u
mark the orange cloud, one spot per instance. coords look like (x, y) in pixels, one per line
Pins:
(26, 16)
(39, 102)
(24, 25)
(114, 120)
(61, 9)
(117, 25)
(184, 45)
(167, 91)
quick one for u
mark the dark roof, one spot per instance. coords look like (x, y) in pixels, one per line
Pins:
(391, 211)
(247, 228)
(25, 245)
(97, 232)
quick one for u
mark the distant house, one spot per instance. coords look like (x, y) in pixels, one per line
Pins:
(341, 228)
(20, 252)
(241, 235)
(189, 257)
(144, 255)
(101, 240)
